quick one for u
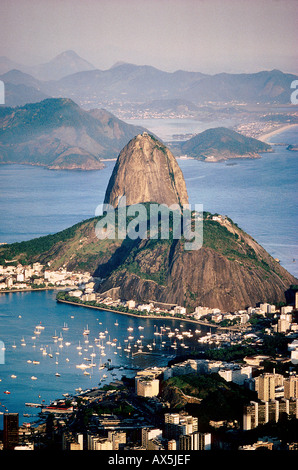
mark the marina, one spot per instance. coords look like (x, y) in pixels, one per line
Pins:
(44, 359)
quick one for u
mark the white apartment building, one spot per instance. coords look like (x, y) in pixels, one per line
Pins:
(236, 374)
(131, 304)
(286, 309)
(179, 310)
(147, 387)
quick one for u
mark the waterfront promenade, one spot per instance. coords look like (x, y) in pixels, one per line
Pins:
(206, 324)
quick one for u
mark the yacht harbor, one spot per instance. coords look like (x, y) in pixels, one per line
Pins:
(52, 348)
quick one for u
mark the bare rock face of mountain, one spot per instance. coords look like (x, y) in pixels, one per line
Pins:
(229, 272)
(146, 171)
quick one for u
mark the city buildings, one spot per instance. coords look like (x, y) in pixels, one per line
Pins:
(266, 384)
(256, 414)
(195, 441)
(147, 386)
(10, 431)
(177, 424)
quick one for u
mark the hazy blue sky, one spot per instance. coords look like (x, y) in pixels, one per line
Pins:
(199, 35)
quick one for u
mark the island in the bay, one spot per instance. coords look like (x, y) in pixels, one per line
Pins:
(220, 143)
(58, 134)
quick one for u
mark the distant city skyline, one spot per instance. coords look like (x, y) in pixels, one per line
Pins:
(213, 36)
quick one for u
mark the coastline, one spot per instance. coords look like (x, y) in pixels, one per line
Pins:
(265, 137)
(10, 291)
(156, 317)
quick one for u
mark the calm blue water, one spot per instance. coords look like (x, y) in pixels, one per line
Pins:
(166, 128)
(36, 201)
(22, 312)
(259, 195)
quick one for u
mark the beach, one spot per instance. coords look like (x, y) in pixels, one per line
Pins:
(266, 137)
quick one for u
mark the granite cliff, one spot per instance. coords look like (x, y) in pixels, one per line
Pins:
(146, 171)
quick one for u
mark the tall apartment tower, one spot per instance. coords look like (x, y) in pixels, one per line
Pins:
(195, 441)
(256, 414)
(265, 385)
(150, 434)
(291, 387)
(179, 424)
(10, 431)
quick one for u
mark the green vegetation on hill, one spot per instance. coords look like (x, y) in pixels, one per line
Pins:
(229, 272)
(27, 251)
(222, 143)
(58, 134)
(220, 400)
(229, 243)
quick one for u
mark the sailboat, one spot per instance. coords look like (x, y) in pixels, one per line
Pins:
(57, 373)
(101, 366)
(86, 331)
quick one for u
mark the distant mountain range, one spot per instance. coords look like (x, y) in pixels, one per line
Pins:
(58, 134)
(66, 63)
(221, 143)
(21, 88)
(70, 76)
(144, 83)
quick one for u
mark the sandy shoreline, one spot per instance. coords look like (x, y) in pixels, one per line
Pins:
(268, 135)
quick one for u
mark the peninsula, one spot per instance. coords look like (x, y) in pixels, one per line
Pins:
(58, 134)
